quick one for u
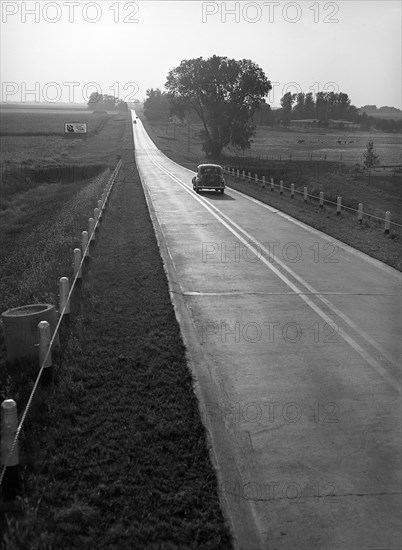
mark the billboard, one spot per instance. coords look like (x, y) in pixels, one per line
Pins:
(75, 128)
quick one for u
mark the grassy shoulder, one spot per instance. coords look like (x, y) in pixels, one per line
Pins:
(115, 454)
(383, 193)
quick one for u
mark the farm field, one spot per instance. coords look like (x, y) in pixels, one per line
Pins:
(47, 190)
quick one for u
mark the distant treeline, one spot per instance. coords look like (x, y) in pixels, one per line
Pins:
(323, 108)
(104, 102)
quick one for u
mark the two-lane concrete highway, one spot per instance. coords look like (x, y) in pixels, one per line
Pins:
(294, 342)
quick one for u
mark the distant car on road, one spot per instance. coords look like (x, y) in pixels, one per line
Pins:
(209, 177)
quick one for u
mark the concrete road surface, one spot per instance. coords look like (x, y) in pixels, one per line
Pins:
(294, 341)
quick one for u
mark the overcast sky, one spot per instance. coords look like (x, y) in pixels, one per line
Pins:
(124, 48)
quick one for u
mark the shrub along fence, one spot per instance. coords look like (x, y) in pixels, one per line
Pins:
(10, 427)
(261, 182)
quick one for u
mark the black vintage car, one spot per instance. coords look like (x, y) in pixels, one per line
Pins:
(209, 177)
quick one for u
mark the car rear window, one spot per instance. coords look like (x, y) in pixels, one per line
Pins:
(210, 170)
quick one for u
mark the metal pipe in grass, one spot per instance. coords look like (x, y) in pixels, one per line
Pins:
(9, 450)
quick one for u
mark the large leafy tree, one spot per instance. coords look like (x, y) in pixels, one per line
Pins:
(224, 93)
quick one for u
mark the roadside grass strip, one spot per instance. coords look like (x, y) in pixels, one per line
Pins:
(115, 455)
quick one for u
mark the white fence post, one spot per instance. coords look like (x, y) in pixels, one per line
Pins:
(387, 221)
(84, 243)
(244, 175)
(321, 201)
(256, 179)
(360, 212)
(249, 177)
(91, 229)
(238, 175)
(9, 425)
(338, 206)
(77, 263)
(263, 182)
(63, 295)
(96, 214)
(272, 184)
(44, 341)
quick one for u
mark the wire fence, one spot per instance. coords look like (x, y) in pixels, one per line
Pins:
(235, 174)
(63, 310)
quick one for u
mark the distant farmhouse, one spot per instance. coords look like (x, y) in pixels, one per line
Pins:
(315, 123)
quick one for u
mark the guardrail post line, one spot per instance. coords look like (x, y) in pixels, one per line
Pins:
(360, 212)
(44, 341)
(321, 202)
(387, 221)
(91, 227)
(305, 194)
(63, 295)
(281, 187)
(272, 184)
(338, 206)
(292, 190)
(263, 182)
(77, 263)
(84, 244)
(9, 424)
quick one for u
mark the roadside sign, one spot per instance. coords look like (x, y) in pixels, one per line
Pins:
(75, 128)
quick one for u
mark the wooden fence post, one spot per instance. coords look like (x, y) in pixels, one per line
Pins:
(63, 295)
(9, 425)
(387, 222)
(44, 351)
(338, 206)
(360, 212)
(77, 263)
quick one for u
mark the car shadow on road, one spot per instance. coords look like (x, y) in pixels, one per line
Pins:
(216, 196)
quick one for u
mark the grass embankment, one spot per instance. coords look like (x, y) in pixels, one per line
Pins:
(114, 454)
(333, 178)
